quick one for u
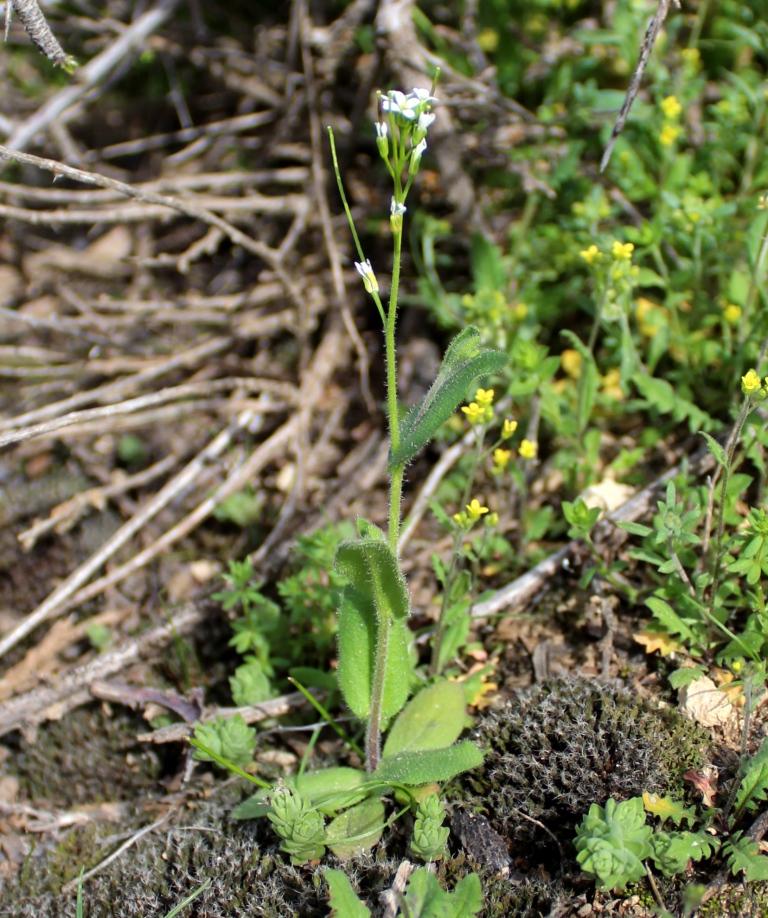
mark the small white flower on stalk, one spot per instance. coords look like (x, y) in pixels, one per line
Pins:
(416, 153)
(396, 215)
(422, 126)
(382, 141)
(365, 271)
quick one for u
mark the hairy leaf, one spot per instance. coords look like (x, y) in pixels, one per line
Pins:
(432, 720)
(464, 362)
(344, 902)
(430, 765)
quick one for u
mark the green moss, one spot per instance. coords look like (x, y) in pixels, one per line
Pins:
(87, 758)
(750, 901)
(567, 744)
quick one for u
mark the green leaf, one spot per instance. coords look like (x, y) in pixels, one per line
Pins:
(487, 264)
(681, 677)
(357, 643)
(433, 719)
(311, 677)
(371, 567)
(463, 363)
(332, 789)
(744, 857)
(667, 808)
(635, 528)
(425, 898)
(717, 451)
(588, 381)
(671, 621)
(357, 830)
(467, 897)
(754, 784)
(344, 902)
(430, 765)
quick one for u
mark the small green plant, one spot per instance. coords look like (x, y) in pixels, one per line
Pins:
(229, 738)
(423, 897)
(614, 842)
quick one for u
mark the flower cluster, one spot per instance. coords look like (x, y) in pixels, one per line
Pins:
(616, 276)
(670, 131)
(401, 137)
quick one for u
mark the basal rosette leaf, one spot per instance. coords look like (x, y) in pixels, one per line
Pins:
(433, 719)
(430, 765)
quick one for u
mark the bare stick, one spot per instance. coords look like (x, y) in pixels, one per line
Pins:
(54, 603)
(651, 34)
(63, 517)
(27, 710)
(268, 255)
(35, 25)
(120, 387)
(130, 41)
(129, 406)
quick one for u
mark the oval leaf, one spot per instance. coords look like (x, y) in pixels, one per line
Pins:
(430, 765)
(357, 830)
(432, 720)
(356, 642)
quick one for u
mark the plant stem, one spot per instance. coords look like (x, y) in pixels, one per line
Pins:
(730, 449)
(384, 625)
(373, 733)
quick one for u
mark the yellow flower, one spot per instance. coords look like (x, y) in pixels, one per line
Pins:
(571, 361)
(475, 510)
(691, 56)
(622, 250)
(488, 40)
(528, 449)
(474, 413)
(669, 135)
(750, 383)
(591, 254)
(671, 107)
(732, 314)
(612, 385)
(484, 397)
(519, 311)
(501, 457)
(508, 429)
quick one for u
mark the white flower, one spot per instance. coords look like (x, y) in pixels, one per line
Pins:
(382, 129)
(416, 154)
(423, 96)
(425, 119)
(397, 210)
(365, 271)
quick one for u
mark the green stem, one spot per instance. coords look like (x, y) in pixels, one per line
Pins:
(373, 733)
(389, 344)
(730, 449)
